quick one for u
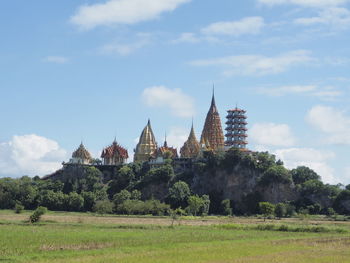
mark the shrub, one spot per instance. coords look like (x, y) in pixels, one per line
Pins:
(36, 216)
(121, 197)
(280, 210)
(19, 208)
(194, 204)
(226, 207)
(103, 207)
(266, 209)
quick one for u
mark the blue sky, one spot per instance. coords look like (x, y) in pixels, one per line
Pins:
(91, 70)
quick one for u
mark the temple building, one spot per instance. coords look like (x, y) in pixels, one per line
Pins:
(147, 145)
(191, 147)
(163, 153)
(236, 129)
(114, 154)
(81, 156)
(212, 135)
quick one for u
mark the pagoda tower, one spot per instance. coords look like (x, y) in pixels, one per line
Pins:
(114, 154)
(147, 145)
(191, 147)
(212, 134)
(236, 129)
(81, 156)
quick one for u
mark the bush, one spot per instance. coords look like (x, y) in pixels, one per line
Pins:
(266, 209)
(36, 216)
(19, 208)
(280, 210)
(226, 207)
(103, 207)
(121, 197)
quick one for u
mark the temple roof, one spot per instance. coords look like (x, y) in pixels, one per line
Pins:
(147, 143)
(165, 148)
(191, 147)
(115, 149)
(82, 153)
(212, 134)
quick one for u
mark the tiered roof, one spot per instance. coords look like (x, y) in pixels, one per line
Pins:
(191, 147)
(147, 144)
(113, 150)
(82, 153)
(164, 149)
(212, 132)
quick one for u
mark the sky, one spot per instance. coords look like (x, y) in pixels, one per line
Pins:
(93, 70)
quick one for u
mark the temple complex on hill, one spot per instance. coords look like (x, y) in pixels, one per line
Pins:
(114, 154)
(212, 135)
(191, 147)
(147, 150)
(147, 145)
(81, 156)
(236, 129)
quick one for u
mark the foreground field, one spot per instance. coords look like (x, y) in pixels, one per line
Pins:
(65, 237)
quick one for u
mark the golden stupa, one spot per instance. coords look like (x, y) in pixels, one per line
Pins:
(147, 145)
(212, 135)
(191, 147)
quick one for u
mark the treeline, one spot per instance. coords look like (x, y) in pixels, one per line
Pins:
(137, 189)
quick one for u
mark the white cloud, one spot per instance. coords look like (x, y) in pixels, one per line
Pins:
(324, 93)
(336, 17)
(248, 25)
(30, 155)
(271, 134)
(122, 12)
(315, 159)
(305, 3)
(56, 59)
(187, 38)
(177, 136)
(125, 49)
(180, 104)
(333, 123)
(258, 64)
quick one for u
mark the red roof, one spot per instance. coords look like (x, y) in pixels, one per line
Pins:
(114, 149)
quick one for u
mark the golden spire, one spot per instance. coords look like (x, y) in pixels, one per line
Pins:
(212, 134)
(191, 147)
(147, 144)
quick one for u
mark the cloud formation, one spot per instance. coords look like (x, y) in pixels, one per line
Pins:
(315, 159)
(122, 12)
(271, 134)
(257, 65)
(180, 104)
(332, 122)
(248, 25)
(30, 155)
(305, 3)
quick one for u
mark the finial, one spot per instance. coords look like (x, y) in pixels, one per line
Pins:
(213, 98)
(165, 142)
(149, 121)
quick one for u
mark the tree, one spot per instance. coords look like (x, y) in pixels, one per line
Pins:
(275, 174)
(280, 210)
(302, 174)
(135, 195)
(194, 204)
(36, 216)
(226, 207)
(178, 194)
(266, 209)
(206, 205)
(75, 202)
(121, 197)
(89, 200)
(342, 203)
(103, 207)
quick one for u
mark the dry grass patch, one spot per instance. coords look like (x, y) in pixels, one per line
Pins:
(76, 247)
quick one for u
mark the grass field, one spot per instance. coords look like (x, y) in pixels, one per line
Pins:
(79, 237)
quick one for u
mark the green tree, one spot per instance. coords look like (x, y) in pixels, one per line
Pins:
(206, 205)
(89, 200)
(36, 216)
(194, 204)
(280, 210)
(267, 209)
(135, 195)
(178, 194)
(342, 203)
(75, 202)
(103, 207)
(226, 207)
(276, 174)
(121, 197)
(302, 174)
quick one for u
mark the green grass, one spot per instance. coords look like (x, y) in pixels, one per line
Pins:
(235, 242)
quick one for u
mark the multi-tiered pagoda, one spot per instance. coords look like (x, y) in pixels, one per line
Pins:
(147, 145)
(191, 147)
(81, 156)
(212, 136)
(114, 154)
(236, 129)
